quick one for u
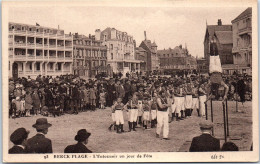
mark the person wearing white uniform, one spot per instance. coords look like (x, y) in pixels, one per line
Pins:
(188, 100)
(195, 99)
(202, 100)
(132, 107)
(162, 116)
(119, 106)
(154, 108)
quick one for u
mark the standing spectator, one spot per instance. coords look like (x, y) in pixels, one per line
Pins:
(92, 97)
(36, 102)
(28, 103)
(111, 90)
(241, 89)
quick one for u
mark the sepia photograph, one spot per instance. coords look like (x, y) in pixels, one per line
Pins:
(130, 81)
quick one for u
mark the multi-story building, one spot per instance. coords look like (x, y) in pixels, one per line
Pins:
(141, 55)
(90, 56)
(37, 50)
(222, 35)
(176, 59)
(120, 50)
(242, 41)
(152, 63)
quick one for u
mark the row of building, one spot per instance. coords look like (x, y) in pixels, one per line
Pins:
(234, 44)
(36, 50)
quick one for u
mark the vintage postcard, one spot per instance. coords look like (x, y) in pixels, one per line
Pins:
(130, 81)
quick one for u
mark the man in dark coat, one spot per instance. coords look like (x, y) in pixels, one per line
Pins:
(205, 142)
(82, 138)
(111, 90)
(39, 143)
(241, 89)
(18, 138)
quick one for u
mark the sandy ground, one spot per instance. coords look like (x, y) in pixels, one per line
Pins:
(64, 129)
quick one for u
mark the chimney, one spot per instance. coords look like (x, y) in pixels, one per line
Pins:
(58, 27)
(180, 46)
(144, 35)
(89, 36)
(76, 35)
(219, 22)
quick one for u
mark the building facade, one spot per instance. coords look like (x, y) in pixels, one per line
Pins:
(176, 59)
(120, 50)
(141, 55)
(37, 50)
(242, 42)
(152, 63)
(90, 56)
(222, 35)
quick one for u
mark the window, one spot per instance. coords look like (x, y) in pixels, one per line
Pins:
(38, 66)
(112, 56)
(23, 28)
(59, 66)
(37, 30)
(51, 66)
(111, 45)
(30, 66)
(30, 29)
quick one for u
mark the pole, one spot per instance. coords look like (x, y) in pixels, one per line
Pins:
(227, 117)
(206, 108)
(224, 118)
(211, 107)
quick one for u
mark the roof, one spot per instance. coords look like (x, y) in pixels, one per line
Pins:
(23, 24)
(140, 49)
(224, 37)
(212, 28)
(247, 12)
(177, 51)
(148, 44)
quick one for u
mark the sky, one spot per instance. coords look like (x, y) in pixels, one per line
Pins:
(167, 26)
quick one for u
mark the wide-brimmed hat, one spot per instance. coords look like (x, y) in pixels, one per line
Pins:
(41, 123)
(19, 134)
(82, 135)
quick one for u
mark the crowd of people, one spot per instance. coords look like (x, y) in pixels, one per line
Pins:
(150, 101)
(71, 94)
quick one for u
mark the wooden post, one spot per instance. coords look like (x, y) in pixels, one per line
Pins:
(211, 106)
(206, 111)
(224, 118)
(227, 117)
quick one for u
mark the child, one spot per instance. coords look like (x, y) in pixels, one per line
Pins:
(146, 114)
(22, 107)
(102, 99)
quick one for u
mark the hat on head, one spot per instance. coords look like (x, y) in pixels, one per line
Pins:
(41, 123)
(206, 124)
(18, 135)
(82, 135)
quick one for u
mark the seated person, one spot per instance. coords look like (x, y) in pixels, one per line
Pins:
(205, 142)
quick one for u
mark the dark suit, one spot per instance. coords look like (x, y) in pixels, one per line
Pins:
(39, 144)
(77, 148)
(16, 150)
(204, 142)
